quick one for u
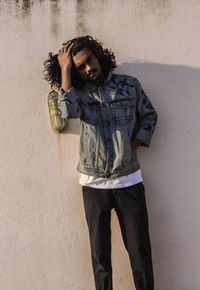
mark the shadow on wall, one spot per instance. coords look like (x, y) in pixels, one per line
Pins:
(168, 165)
(172, 164)
(173, 90)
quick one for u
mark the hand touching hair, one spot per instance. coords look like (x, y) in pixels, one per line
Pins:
(106, 58)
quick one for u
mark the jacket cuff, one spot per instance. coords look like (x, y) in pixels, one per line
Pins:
(69, 96)
(65, 98)
(144, 136)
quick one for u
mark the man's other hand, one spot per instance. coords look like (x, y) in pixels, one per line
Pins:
(135, 145)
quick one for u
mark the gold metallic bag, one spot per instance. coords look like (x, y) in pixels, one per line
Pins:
(57, 123)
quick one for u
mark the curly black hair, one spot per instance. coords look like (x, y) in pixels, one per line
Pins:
(106, 58)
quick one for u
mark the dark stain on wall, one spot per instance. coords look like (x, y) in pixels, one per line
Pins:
(81, 12)
(160, 8)
(26, 6)
(55, 12)
(18, 8)
(155, 3)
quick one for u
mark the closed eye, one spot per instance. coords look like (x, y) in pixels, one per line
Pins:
(82, 66)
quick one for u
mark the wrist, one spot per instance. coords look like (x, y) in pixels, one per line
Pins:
(66, 78)
(66, 68)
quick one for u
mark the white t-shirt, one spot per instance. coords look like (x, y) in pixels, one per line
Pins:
(109, 183)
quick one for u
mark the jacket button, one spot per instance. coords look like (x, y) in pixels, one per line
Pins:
(106, 123)
(107, 174)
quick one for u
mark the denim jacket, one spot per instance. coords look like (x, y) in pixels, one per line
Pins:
(111, 117)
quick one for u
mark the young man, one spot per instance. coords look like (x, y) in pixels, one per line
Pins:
(116, 118)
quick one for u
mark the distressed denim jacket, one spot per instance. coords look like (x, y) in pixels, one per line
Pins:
(111, 117)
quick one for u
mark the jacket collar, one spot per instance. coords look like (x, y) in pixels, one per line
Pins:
(91, 87)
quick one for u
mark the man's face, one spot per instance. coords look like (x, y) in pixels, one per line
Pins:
(88, 66)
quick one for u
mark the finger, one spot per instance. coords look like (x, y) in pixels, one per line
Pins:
(67, 48)
(66, 42)
(67, 45)
(70, 48)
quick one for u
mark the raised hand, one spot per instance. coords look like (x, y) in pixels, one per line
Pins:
(65, 63)
(64, 57)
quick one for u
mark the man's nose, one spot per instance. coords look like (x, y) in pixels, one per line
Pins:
(88, 68)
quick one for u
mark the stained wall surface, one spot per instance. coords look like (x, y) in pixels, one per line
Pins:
(44, 238)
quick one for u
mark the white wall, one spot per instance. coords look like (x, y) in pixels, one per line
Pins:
(44, 239)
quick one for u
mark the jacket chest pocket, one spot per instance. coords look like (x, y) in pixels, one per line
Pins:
(123, 111)
(90, 113)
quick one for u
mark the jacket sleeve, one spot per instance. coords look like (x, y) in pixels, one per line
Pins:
(69, 104)
(146, 116)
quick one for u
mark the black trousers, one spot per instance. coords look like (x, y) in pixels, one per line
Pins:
(130, 206)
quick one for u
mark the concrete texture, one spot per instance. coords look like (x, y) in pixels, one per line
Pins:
(44, 239)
